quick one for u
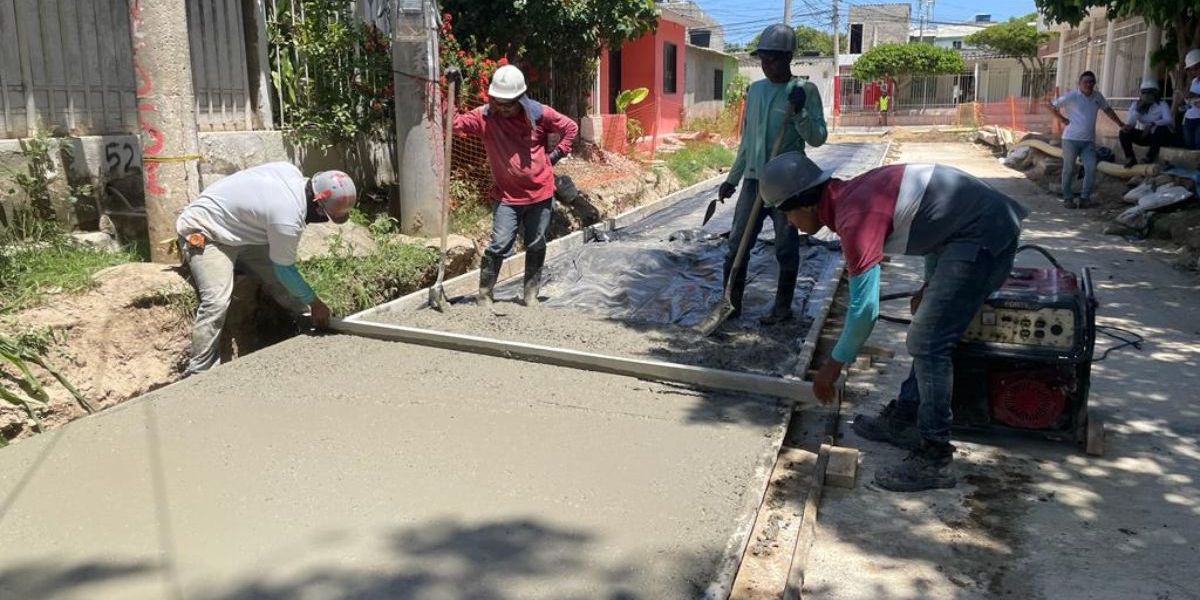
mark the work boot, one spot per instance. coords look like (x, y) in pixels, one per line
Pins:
(784, 293)
(889, 427)
(926, 468)
(489, 270)
(534, 259)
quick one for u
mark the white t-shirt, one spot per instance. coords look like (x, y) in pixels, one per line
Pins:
(1159, 114)
(1081, 111)
(1193, 111)
(263, 205)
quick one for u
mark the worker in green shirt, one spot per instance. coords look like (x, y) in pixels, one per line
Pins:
(780, 100)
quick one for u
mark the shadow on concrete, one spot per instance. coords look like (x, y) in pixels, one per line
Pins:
(52, 579)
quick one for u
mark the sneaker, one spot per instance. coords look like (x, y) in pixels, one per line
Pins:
(1132, 162)
(1070, 203)
(1084, 203)
(926, 468)
(889, 427)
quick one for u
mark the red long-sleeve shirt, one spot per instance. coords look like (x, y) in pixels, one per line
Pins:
(516, 149)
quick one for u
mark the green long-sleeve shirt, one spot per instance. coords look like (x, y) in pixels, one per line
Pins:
(766, 108)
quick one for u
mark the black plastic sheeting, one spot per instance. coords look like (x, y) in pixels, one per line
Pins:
(667, 269)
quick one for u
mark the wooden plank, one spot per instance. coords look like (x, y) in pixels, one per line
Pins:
(791, 390)
(843, 467)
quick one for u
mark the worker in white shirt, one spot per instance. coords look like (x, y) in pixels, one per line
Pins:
(1149, 124)
(1191, 101)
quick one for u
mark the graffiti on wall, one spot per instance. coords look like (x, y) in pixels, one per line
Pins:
(153, 139)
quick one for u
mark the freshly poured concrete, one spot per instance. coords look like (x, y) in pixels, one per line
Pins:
(340, 467)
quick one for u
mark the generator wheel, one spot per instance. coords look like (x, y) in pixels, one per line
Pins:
(1095, 435)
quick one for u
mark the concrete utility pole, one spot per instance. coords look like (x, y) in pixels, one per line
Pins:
(418, 134)
(166, 104)
(787, 12)
(835, 81)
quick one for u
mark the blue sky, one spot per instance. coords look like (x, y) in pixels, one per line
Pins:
(744, 18)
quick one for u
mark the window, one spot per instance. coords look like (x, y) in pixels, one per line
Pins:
(856, 35)
(670, 54)
(957, 44)
(718, 85)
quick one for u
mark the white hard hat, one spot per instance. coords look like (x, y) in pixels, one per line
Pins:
(334, 192)
(1192, 59)
(508, 82)
(1149, 83)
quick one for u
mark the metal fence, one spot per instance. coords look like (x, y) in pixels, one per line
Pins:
(67, 66)
(219, 65)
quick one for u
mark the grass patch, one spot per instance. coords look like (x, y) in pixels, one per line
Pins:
(29, 273)
(349, 284)
(690, 162)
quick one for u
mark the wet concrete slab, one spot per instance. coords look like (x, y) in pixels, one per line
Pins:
(340, 467)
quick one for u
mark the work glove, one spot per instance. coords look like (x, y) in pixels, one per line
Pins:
(726, 190)
(555, 156)
(797, 98)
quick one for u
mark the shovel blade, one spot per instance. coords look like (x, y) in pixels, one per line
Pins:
(717, 317)
(437, 299)
(709, 212)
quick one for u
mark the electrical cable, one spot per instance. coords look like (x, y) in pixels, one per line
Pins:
(1135, 340)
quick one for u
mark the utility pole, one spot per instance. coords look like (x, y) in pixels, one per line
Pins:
(419, 139)
(834, 86)
(166, 103)
(787, 12)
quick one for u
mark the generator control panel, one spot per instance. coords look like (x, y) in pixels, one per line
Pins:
(1047, 327)
(1036, 307)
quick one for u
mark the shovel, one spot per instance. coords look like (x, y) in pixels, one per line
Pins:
(717, 317)
(437, 294)
(711, 210)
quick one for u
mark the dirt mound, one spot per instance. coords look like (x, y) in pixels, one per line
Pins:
(125, 337)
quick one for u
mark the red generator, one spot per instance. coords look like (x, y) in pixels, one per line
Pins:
(1025, 361)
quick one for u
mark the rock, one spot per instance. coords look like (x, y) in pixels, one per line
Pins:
(321, 240)
(96, 239)
(460, 253)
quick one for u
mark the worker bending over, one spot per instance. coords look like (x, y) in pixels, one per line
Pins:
(967, 233)
(515, 129)
(254, 219)
(779, 101)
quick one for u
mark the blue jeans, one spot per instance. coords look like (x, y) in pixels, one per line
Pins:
(787, 239)
(532, 219)
(1191, 134)
(1072, 149)
(965, 276)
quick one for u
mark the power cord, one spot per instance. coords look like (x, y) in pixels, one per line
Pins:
(1135, 340)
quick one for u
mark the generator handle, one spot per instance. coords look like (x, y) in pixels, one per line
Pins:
(1089, 311)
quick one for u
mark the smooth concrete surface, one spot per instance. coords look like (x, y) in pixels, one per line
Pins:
(340, 467)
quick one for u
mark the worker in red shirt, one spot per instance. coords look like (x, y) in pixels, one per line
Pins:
(515, 129)
(967, 232)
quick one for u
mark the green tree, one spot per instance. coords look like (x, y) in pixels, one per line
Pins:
(559, 36)
(906, 60)
(1179, 18)
(809, 39)
(1020, 39)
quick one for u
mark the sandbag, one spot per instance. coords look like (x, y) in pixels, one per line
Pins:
(1163, 197)
(1132, 196)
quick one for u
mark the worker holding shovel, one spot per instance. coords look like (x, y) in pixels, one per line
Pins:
(253, 219)
(967, 233)
(514, 129)
(779, 102)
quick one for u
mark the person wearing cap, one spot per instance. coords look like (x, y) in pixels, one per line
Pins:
(1149, 124)
(1082, 106)
(779, 101)
(1191, 118)
(515, 131)
(967, 233)
(253, 219)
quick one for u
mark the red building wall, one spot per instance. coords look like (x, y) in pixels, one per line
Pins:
(642, 66)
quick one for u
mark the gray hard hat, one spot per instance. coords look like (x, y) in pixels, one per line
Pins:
(787, 175)
(776, 38)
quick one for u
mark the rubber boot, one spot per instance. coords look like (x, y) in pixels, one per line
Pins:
(926, 468)
(534, 260)
(782, 311)
(489, 270)
(889, 427)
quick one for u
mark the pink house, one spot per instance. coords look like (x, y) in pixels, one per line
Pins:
(654, 61)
